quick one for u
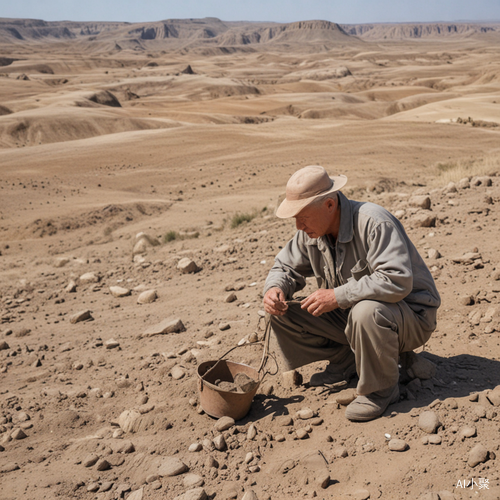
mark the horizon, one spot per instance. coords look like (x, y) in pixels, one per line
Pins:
(456, 21)
(274, 11)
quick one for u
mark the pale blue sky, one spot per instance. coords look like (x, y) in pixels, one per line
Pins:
(345, 11)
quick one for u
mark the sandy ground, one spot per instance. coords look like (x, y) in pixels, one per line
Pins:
(98, 146)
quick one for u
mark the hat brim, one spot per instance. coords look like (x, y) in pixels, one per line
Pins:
(290, 208)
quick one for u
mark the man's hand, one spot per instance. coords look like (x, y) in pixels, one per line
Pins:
(275, 302)
(319, 302)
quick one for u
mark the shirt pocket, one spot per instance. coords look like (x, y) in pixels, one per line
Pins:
(360, 269)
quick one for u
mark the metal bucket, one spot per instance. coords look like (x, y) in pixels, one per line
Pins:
(217, 402)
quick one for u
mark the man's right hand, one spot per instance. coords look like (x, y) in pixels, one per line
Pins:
(275, 302)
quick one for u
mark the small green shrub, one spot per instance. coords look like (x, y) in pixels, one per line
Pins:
(170, 236)
(239, 218)
(174, 235)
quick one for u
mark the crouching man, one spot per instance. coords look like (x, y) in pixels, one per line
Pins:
(376, 299)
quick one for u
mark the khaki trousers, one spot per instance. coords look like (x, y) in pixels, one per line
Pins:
(376, 332)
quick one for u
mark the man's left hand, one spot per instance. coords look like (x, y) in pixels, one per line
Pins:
(319, 302)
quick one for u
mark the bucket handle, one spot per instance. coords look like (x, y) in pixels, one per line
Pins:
(265, 353)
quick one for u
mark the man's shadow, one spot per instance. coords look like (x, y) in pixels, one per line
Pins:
(456, 377)
(263, 405)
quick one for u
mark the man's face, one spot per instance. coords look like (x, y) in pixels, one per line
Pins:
(314, 220)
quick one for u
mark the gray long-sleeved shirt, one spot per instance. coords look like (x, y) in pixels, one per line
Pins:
(374, 260)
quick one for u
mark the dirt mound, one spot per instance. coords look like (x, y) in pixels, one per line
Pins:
(113, 216)
(49, 125)
(105, 98)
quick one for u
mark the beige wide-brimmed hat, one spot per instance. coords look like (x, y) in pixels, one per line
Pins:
(304, 186)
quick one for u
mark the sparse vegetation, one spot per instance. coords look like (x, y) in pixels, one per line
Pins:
(454, 170)
(170, 236)
(239, 218)
(174, 235)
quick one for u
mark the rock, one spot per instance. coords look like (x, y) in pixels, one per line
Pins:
(397, 445)
(285, 420)
(106, 486)
(93, 487)
(195, 447)
(187, 266)
(323, 479)
(250, 495)
(103, 465)
(466, 300)
(70, 287)
(90, 460)
(450, 188)
(345, 397)
(340, 452)
(252, 432)
(111, 344)
(475, 317)
(302, 433)
(88, 278)
(140, 247)
(177, 372)
(478, 455)
(305, 414)
(224, 326)
(194, 494)
(147, 297)
(424, 220)
(435, 439)
(4, 346)
(146, 408)
(223, 424)
(18, 434)
(463, 183)
(136, 495)
(292, 379)
(172, 466)
(129, 421)
(279, 438)
(494, 396)
(193, 481)
(420, 201)
(361, 494)
(467, 258)
(223, 249)
(168, 325)
(446, 495)
(230, 297)
(211, 463)
(219, 442)
(61, 261)
(150, 240)
(9, 467)
(118, 291)
(80, 316)
(123, 446)
(429, 422)
(433, 254)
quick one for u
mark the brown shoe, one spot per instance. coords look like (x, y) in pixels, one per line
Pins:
(371, 406)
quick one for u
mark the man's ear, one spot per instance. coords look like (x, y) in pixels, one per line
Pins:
(331, 203)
